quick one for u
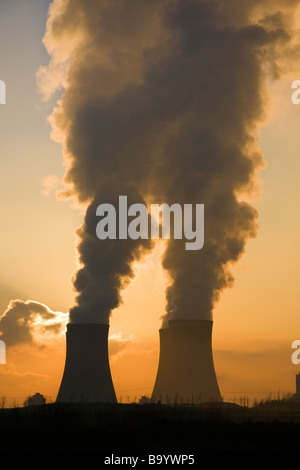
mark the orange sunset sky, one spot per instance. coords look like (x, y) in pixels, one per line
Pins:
(255, 321)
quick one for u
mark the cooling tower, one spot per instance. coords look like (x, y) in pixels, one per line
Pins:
(163, 365)
(87, 376)
(186, 370)
(298, 386)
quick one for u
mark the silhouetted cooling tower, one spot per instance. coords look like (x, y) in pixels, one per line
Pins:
(298, 386)
(163, 364)
(87, 376)
(186, 370)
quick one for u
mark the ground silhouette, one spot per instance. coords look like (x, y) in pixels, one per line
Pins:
(151, 428)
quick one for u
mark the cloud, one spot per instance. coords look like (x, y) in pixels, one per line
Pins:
(30, 322)
(118, 343)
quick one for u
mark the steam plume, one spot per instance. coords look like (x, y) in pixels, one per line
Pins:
(162, 102)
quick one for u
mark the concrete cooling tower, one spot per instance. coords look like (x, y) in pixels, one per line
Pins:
(163, 364)
(186, 371)
(87, 376)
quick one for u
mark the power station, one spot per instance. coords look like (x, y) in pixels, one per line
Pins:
(185, 373)
(87, 376)
(186, 370)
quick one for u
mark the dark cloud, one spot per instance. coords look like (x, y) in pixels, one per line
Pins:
(30, 322)
(163, 101)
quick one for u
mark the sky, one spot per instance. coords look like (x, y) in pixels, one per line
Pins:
(255, 321)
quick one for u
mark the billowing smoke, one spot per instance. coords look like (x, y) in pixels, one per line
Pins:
(162, 101)
(107, 266)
